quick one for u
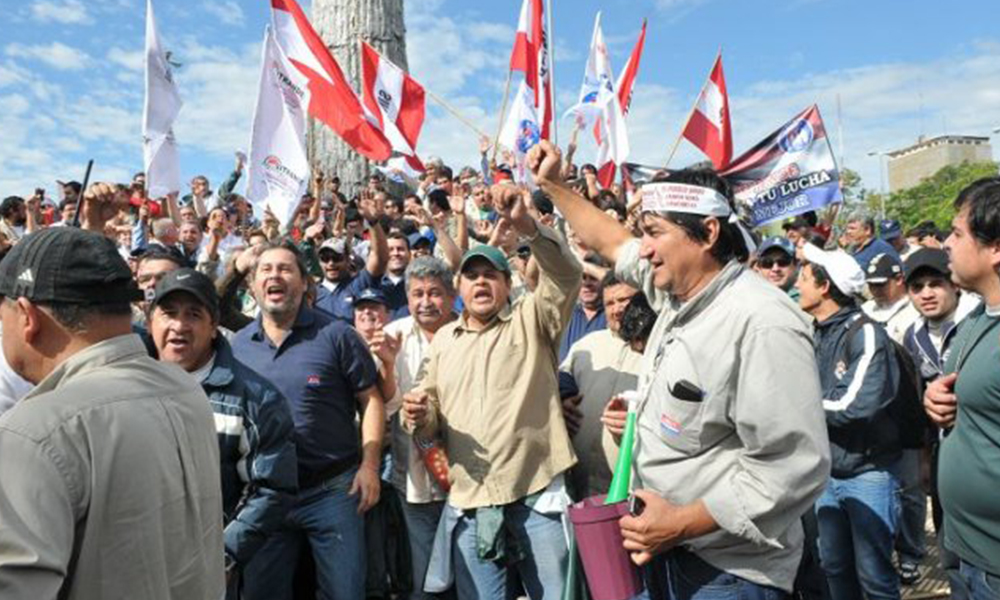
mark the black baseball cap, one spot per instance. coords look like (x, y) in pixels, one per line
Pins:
(67, 265)
(190, 281)
(933, 259)
(882, 268)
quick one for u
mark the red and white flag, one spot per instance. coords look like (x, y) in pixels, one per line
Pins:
(531, 56)
(330, 98)
(708, 128)
(395, 101)
(626, 80)
(607, 163)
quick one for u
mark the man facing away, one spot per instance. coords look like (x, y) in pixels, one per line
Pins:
(110, 465)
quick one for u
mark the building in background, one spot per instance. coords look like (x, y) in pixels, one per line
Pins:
(908, 166)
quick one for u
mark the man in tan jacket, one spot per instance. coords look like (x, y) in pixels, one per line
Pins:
(490, 390)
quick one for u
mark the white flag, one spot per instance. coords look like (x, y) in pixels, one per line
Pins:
(598, 81)
(521, 130)
(163, 102)
(279, 167)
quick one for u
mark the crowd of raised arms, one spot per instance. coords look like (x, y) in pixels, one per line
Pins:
(400, 394)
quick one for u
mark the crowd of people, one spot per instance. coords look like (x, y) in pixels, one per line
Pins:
(399, 394)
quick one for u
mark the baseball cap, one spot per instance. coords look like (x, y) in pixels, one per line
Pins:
(418, 238)
(933, 259)
(844, 271)
(490, 253)
(337, 244)
(190, 281)
(67, 265)
(891, 229)
(371, 295)
(781, 243)
(882, 268)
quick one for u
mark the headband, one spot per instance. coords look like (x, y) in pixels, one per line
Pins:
(666, 197)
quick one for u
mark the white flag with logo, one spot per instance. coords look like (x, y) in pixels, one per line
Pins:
(598, 81)
(521, 130)
(163, 103)
(278, 170)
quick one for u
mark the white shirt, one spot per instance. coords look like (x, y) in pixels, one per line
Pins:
(896, 318)
(420, 489)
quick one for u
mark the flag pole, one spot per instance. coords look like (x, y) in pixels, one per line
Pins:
(503, 109)
(83, 192)
(454, 112)
(551, 43)
(694, 107)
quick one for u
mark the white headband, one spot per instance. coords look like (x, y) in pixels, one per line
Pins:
(667, 197)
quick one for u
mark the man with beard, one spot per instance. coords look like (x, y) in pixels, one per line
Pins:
(776, 262)
(326, 373)
(13, 218)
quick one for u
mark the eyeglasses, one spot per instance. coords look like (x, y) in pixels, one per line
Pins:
(767, 263)
(330, 257)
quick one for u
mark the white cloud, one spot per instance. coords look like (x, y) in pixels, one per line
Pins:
(131, 60)
(56, 55)
(68, 12)
(226, 11)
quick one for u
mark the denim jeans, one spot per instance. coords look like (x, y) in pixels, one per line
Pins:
(542, 571)
(421, 525)
(857, 518)
(980, 584)
(681, 575)
(911, 541)
(328, 517)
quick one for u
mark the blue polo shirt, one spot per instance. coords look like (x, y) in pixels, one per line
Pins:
(319, 368)
(340, 302)
(874, 248)
(578, 327)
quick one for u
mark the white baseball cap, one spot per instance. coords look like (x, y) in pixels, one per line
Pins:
(844, 271)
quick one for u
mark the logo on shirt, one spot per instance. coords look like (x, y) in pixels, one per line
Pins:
(669, 426)
(840, 370)
(312, 380)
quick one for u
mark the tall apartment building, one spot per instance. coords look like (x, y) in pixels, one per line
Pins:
(908, 166)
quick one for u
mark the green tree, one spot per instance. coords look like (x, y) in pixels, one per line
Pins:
(850, 185)
(932, 199)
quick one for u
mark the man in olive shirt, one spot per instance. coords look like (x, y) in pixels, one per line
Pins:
(968, 398)
(490, 388)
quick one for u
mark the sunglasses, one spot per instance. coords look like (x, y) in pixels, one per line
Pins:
(330, 257)
(767, 263)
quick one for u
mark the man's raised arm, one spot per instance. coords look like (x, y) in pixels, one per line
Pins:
(597, 230)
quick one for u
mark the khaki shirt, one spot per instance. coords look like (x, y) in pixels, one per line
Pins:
(494, 393)
(603, 366)
(111, 486)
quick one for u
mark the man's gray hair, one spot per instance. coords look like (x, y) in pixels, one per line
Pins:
(429, 267)
(161, 227)
(863, 217)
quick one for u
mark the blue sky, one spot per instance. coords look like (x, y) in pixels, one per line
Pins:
(71, 74)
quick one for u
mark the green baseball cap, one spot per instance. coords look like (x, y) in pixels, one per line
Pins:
(490, 253)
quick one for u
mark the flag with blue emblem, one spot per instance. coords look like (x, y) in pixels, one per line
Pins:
(792, 171)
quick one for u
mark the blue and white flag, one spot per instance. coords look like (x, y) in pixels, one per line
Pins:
(792, 171)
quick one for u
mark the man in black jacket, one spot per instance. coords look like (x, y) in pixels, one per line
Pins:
(858, 513)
